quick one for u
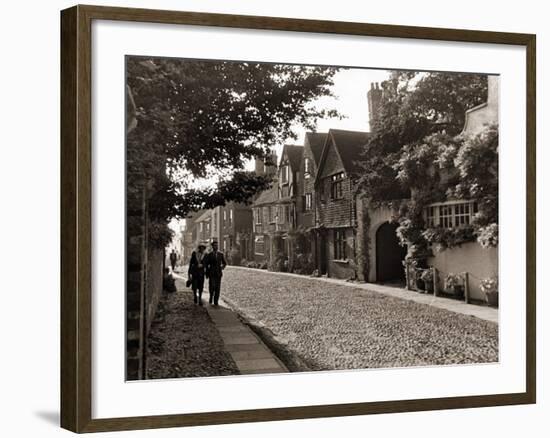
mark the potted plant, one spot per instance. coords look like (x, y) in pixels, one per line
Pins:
(489, 286)
(427, 277)
(455, 284)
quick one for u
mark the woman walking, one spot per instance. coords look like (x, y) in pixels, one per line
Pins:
(196, 273)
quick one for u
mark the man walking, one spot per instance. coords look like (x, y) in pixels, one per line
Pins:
(173, 259)
(214, 264)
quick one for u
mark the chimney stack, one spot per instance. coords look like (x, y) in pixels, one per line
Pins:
(374, 97)
(259, 166)
(266, 167)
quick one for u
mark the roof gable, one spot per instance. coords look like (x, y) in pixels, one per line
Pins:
(348, 146)
(316, 141)
(292, 153)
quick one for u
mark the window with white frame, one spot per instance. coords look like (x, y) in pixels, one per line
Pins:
(337, 186)
(307, 168)
(446, 216)
(284, 174)
(462, 215)
(257, 216)
(230, 216)
(308, 202)
(451, 214)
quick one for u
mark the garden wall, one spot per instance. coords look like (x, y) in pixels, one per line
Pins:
(470, 257)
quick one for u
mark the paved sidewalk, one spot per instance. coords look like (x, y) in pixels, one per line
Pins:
(482, 312)
(245, 347)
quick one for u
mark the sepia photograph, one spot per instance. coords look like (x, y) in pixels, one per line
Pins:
(285, 218)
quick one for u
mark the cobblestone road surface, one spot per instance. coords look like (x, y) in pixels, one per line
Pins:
(332, 326)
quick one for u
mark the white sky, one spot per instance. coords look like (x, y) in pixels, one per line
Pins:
(350, 90)
(350, 99)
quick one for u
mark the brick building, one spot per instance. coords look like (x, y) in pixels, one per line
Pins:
(204, 226)
(264, 213)
(235, 236)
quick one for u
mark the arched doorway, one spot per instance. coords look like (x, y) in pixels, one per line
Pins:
(389, 254)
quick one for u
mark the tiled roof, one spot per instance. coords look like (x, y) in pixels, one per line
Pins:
(316, 142)
(294, 154)
(349, 145)
(268, 196)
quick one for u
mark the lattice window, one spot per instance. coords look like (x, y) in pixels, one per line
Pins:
(446, 216)
(462, 215)
(451, 214)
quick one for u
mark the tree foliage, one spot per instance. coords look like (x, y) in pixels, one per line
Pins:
(416, 154)
(204, 119)
(414, 106)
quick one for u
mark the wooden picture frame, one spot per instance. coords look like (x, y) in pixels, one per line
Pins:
(76, 217)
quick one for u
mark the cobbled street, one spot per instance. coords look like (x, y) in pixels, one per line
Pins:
(329, 326)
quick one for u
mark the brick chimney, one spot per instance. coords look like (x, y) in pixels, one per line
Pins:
(374, 97)
(259, 166)
(266, 167)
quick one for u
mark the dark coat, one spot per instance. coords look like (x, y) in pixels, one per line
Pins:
(195, 272)
(215, 264)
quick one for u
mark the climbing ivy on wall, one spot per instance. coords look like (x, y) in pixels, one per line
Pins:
(416, 156)
(442, 167)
